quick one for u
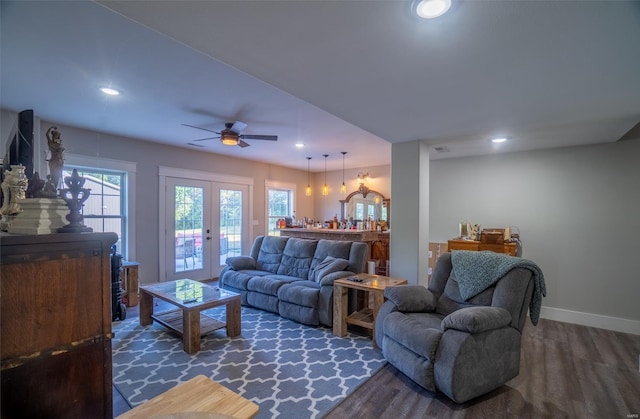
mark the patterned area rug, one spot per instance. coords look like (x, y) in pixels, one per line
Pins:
(288, 369)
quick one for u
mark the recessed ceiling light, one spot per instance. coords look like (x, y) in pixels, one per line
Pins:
(109, 91)
(499, 140)
(299, 145)
(429, 9)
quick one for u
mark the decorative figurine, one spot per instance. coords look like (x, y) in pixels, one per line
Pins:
(13, 188)
(56, 162)
(35, 185)
(75, 196)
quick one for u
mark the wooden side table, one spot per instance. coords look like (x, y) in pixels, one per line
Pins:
(129, 278)
(371, 284)
(200, 394)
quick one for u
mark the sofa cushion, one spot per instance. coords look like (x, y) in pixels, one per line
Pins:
(333, 248)
(451, 300)
(413, 332)
(239, 280)
(477, 319)
(302, 293)
(270, 253)
(269, 284)
(329, 265)
(239, 263)
(297, 257)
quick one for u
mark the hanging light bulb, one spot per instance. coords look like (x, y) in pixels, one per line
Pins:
(343, 187)
(325, 188)
(308, 192)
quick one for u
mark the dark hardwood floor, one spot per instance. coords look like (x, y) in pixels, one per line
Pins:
(566, 371)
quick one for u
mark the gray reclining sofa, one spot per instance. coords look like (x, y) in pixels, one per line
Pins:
(293, 277)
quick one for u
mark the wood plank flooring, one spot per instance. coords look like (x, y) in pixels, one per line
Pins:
(566, 371)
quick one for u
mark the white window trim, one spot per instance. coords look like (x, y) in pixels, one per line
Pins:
(130, 199)
(276, 184)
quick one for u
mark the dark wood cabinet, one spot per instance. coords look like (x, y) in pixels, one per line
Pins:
(508, 248)
(55, 325)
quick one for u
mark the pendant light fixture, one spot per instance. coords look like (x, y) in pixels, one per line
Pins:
(343, 187)
(308, 192)
(325, 188)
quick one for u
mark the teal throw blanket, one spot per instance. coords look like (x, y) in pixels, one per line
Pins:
(477, 271)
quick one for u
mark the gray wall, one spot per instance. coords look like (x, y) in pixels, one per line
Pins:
(149, 156)
(578, 211)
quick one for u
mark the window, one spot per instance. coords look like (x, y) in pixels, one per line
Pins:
(105, 210)
(279, 204)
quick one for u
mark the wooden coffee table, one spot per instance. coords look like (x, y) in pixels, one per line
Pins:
(371, 284)
(191, 297)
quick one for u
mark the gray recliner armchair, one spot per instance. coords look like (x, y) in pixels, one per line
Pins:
(462, 345)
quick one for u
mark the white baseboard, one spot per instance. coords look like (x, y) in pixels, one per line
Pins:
(593, 320)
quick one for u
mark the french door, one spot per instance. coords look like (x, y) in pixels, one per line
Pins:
(205, 222)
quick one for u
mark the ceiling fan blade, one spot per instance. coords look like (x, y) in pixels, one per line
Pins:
(204, 129)
(238, 126)
(243, 144)
(259, 137)
(208, 138)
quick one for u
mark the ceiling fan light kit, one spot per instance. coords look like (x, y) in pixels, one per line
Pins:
(229, 139)
(231, 136)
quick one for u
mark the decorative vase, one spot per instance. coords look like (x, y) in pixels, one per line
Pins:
(13, 188)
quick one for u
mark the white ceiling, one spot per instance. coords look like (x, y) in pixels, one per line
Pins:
(350, 76)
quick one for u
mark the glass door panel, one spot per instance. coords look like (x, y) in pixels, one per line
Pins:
(188, 214)
(188, 227)
(233, 222)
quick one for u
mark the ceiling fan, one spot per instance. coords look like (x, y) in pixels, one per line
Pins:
(230, 135)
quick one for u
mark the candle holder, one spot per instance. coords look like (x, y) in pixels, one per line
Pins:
(75, 196)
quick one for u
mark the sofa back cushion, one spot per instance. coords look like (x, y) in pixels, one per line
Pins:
(270, 253)
(328, 266)
(451, 300)
(333, 248)
(354, 252)
(297, 257)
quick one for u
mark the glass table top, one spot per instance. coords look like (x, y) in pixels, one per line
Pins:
(187, 291)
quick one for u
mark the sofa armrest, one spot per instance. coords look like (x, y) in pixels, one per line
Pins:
(239, 263)
(329, 278)
(476, 319)
(411, 298)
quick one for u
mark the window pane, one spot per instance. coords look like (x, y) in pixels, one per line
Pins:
(189, 221)
(372, 212)
(104, 210)
(359, 211)
(278, 203)
(280, 206)
(230, 224)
